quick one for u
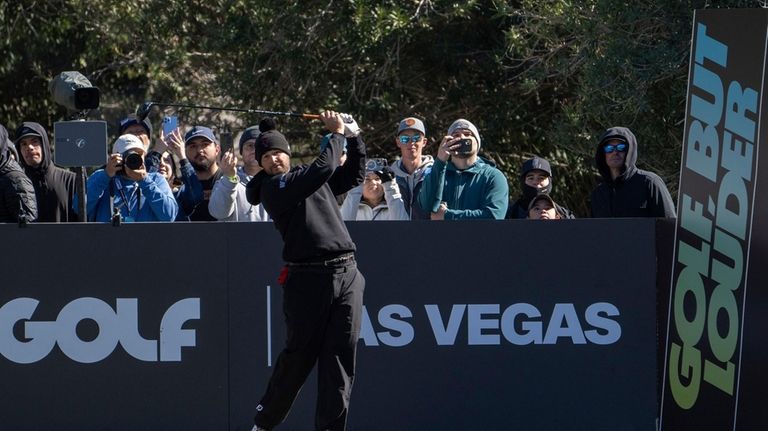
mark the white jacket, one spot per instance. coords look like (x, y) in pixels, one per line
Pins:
(228, 202)
(391, 208)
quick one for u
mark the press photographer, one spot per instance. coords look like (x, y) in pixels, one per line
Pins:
(125, 191)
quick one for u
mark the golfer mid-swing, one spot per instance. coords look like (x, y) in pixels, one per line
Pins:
(322, 289)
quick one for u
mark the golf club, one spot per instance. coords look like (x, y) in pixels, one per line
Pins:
(144, 109)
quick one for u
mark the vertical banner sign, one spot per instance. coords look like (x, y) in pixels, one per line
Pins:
(715, 221)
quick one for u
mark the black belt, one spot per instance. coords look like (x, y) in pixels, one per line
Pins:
(338, 260)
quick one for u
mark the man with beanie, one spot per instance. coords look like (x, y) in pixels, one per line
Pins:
(247, 148)
(54, 186)
(413, 166)
(322, 290)
(17, 196)
(535, 179)
(125, 187)
(627, 191)
(462, 185)
(228, 201)
(202, 150)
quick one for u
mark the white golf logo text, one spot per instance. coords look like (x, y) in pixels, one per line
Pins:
(489, 324)
(118, 325)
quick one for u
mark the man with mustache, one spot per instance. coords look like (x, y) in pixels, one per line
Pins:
(54, 186)
(322, 288)
(202, 150)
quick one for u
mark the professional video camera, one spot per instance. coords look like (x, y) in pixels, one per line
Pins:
(78, 143)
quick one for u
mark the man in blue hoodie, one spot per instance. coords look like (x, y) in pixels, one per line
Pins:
(461, 184)
(627, 191)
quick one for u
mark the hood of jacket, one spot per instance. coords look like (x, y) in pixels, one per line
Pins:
(630, 161)
(5, 144)
(45, 147)
(397, 166)
(480, 165)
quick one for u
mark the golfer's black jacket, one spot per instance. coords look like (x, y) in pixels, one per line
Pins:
(302, 201)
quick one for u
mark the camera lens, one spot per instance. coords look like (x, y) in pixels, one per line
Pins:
(133, 160)
(370, 165)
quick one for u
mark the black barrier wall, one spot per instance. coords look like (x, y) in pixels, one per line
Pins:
(469, 326)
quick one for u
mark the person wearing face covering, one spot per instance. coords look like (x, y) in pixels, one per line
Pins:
(535, 179)
(54, 186)
(17, 196)
(627, 191)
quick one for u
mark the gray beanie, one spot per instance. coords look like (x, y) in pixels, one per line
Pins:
(465, 124)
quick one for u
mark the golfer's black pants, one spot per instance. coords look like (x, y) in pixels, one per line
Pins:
(323, 309)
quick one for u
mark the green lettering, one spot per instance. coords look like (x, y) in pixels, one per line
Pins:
(690, 368)
(721, 378)
(689, 281)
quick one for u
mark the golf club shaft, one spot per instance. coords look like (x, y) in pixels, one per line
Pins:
(219, 108)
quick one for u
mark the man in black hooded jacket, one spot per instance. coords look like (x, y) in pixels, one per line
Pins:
(17, 196)
(54, 186)
(322, 290)
(627, 191)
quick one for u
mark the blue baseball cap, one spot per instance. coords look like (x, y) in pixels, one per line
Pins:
(199, 132)
(131, 120)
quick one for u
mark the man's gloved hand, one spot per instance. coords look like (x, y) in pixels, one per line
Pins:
(385, 174)
(351, 129)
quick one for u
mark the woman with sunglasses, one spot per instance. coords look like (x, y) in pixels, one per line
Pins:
(627, 191)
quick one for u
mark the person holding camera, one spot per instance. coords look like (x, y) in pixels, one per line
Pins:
(203, 150)
(322, 287)
(54, 186)
(17, 195)
(228, 201)
(125, 190)
(170, 156)
(462, 185)
(378, 198)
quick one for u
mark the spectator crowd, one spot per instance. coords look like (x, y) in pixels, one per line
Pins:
(186, 175)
